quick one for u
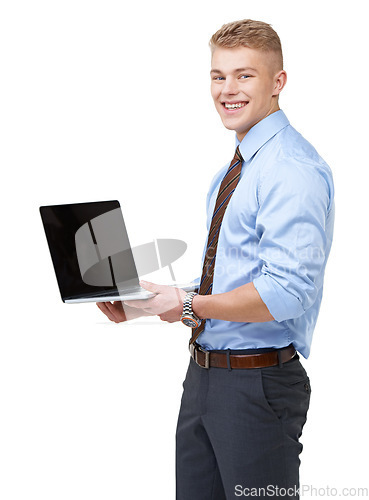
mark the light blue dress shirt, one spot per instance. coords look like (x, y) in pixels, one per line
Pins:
(277, 233)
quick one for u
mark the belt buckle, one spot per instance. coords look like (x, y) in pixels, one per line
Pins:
(207, 357)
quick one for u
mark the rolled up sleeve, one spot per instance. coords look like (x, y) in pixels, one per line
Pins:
(294, 199)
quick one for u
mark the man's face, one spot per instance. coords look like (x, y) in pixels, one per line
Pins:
(244, 86)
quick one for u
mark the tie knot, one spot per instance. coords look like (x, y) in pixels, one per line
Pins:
(237, 154)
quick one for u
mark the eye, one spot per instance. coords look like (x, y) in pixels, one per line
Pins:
(218, 78)
(244, 76)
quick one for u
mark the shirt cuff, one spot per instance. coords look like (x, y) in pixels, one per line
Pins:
(281, 304)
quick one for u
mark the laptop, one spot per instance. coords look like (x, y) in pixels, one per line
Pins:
(92, 256)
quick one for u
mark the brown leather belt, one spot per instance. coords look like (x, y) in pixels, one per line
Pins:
(211, 359)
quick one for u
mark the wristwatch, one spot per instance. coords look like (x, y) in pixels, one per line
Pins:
(188, 317)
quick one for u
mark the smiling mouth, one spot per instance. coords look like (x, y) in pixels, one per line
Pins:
(234, 105)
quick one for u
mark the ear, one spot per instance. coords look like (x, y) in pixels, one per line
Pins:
(280, 80)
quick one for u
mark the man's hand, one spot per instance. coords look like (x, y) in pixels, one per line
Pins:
(167, 303)
(119, 312)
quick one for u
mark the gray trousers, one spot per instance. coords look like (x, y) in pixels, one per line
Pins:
(238, 432)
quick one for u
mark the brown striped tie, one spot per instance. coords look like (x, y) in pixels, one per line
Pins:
(227, 187)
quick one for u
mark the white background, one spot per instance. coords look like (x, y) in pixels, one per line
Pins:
(110, 100)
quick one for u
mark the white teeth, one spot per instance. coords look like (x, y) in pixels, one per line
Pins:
(234, 106)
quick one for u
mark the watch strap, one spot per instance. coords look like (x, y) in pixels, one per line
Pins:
(187, 303)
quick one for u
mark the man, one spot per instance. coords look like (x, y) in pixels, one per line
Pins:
(270, 223)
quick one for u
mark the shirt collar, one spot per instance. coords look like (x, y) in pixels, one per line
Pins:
(260, 133)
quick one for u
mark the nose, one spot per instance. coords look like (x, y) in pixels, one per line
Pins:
(230, 86)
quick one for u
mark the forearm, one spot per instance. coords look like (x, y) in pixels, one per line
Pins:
(243, 304)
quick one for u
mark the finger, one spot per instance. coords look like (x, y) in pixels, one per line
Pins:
(151, 287)
(117, 311)
(140, 304)
(103, 306)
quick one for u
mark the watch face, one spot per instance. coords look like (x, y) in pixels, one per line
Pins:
(188, 321)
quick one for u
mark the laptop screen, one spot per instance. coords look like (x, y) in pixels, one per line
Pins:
(89, 247)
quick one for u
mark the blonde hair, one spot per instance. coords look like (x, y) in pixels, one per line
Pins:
(248, 33)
